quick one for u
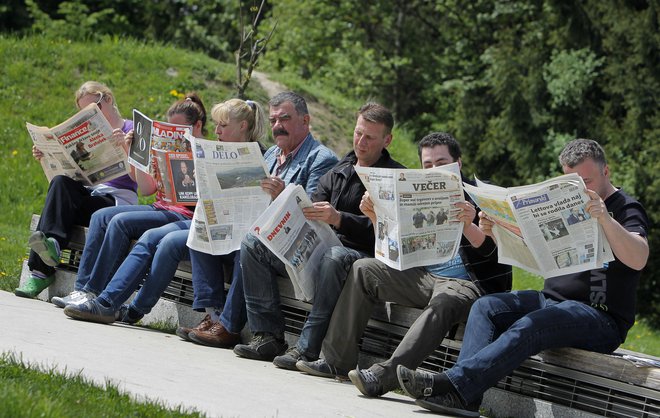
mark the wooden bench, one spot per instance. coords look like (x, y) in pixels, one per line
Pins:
(561, 382)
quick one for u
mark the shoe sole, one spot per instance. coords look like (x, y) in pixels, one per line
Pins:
(87, 316)
(454, 412)
(285, 364)
(249, 354)
(22, 294)
(183, 334)
(306, 369)
(58, 302)
(37, 244)
(354, 376)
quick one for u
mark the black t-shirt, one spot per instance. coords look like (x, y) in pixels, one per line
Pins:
(612, 288)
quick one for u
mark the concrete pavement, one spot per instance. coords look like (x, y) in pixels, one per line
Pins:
(161, 366)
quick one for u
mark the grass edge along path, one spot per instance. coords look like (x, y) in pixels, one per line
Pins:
(30, 390)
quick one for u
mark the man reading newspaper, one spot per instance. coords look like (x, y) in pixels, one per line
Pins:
(445, 292)
(336, 202)
(592, 310)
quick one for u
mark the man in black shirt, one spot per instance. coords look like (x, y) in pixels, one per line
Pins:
(591, 310)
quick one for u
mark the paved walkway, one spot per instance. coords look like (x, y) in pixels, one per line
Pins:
(162, 366)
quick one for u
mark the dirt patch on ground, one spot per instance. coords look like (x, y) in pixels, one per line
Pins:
(325, 126)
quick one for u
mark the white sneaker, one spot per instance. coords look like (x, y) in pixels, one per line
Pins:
(74, 298)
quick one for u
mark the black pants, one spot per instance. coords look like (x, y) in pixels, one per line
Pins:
(68, 203)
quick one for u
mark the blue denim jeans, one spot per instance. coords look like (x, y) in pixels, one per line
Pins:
(334, 269)
(152, 262)
(504, 329)
(209, 286)
(109, 238)
(262, 295)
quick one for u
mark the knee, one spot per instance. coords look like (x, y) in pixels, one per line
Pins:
(362, 276)
(172, 246)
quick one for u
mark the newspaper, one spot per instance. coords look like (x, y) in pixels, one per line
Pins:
(544, 228)
(81, 148)
(228, 180)
(297, 241)
(416, 217)
(151, 135)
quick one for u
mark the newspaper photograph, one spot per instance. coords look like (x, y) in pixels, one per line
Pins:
(544, 228)
(150, 135)
(297, 241)
(227, 178)
(81, 148)
(416, 216)
(181, 177)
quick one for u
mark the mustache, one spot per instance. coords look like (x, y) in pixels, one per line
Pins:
(280, 131)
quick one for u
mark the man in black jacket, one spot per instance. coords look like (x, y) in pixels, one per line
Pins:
(445, 291)
(336, 202)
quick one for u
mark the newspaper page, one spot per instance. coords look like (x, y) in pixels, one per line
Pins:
(150, 135)
(297, 241)
(544, 228)
(181, 177)
(81, 148)
(416, 217)
(228, 182)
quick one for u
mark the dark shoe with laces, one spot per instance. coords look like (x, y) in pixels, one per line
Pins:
(184, 332)
(449, 403)
(289, 359)
(91, 311)
(416, 383)
(322, 368)
(216, 336)
(264, 346)
(366, 382)
(128, 316)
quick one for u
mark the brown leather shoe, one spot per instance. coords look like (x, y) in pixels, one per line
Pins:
(216, 336)
(205, 324)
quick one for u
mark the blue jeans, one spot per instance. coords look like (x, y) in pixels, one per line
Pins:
(334, 269)
(209, 287)
(109, 238)
(152, 262)
(262, 295)
(504, 329)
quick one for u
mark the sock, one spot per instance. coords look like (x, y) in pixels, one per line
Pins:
(215, 313)
(37, 274)
(103, 303)
(442, 384)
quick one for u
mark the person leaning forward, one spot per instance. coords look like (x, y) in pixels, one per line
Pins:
(591, 310)
(336, 202)
(445, 292)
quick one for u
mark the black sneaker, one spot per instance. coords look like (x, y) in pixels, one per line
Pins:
(366, 381)
(264, 346)
(127, 316)
(289, 359)
(449, 403)
(322, 368)
(416, 383)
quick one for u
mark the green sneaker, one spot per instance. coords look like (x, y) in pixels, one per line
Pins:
(33, 286)
(46, 248)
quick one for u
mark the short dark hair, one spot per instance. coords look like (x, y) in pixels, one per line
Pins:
(377, 113)
(440, 138)
(297, 100)
(578, 150)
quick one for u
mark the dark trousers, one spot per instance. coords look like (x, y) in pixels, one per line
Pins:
(68, 203)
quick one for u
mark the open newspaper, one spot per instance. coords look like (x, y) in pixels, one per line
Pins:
(81, 148)
(228, 181)
(415, 214)
(544, 228)
(151, 135)
(297, 241)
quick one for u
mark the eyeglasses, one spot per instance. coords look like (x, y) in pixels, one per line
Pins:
(98, 102)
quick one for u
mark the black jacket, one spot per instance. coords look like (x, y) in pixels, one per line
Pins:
(481, 263)
(342, 187)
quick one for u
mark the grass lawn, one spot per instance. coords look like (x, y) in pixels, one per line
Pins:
(32, 391)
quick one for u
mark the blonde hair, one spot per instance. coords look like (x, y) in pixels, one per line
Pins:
(96, 88)
(238, 110)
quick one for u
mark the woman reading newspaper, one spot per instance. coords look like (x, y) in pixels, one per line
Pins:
(69, 202)
(159, 250)
(112, 229)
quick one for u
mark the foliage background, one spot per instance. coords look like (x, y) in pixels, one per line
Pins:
(513, 80)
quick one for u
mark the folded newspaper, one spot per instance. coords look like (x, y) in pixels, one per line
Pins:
(151, 135)
(297, 241)
(544, 228)
(415, 214)
(81, 148)
(228, 180)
